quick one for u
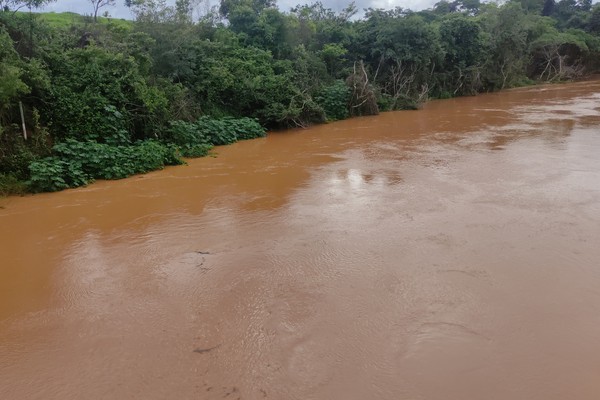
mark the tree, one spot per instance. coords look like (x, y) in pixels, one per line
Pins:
(572, 13)
(508, 31)
(594, 21)
(548, 8)
(331, 55)
(98, 4)
(405, 52)
(100, 95)
(150, 11)
(183, 11)
(470, 7)
(461, 40)
(11, 84)
(228, 6)
(562, 55)
(14, 5)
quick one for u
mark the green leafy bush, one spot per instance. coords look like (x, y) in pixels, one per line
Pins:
(218, 131)
(229, 130)
(184, 133)
(15, 154)
(385, 102)
(195, 139)
(79, 163)
(334, 99)
(52, 174)
(197, 150)
(233, 80)
(101, 95)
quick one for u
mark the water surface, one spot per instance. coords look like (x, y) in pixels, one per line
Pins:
(446, 253)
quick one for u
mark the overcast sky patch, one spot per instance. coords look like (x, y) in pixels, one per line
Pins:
(120, 11)
(84, 7)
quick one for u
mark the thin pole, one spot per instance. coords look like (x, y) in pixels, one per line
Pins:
(23, 120)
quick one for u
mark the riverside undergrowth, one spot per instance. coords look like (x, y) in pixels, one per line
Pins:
(76, 163)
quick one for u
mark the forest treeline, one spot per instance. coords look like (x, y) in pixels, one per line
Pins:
(104, 99)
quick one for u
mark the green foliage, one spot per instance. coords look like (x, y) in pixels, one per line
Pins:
(215, 131)
(508, 30)
(593, 25)
(100, 95)
(11, 185)
(196, 150)
(195, 139)
(334, 99)
(332, 55)
(52, 174)
(461, 40)
(75, 163)
(402, 50)
(184, 133)
(385, 102)
(310, 72)
(11, 71)
(188, 137)
(218, 131)
(230, 80)
(15, 155)
(409, 40)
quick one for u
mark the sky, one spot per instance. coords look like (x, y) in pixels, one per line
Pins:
(120, 11)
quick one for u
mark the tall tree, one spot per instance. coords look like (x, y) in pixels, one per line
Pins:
(548, 8)
(11, 71)
(98, 4)
(461, 40)
(594, 21)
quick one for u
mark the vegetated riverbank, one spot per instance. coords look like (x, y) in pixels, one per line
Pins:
(109, 99)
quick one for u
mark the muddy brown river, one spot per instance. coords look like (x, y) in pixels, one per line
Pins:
(449, 253)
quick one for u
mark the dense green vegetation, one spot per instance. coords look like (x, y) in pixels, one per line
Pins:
(105, 98)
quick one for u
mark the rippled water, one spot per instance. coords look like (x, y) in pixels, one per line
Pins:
(445, 253)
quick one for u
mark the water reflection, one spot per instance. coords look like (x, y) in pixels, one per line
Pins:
(439, 254)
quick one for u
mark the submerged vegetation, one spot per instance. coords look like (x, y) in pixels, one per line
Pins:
(104, 99)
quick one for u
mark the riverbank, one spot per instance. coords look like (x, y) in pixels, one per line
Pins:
(187, 140)
(100, 100)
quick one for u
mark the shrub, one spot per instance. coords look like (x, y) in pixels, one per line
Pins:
(197, 150)
(15, 156)
(10, 184)
(184, 133)
(79, 163)
(385, 102)
(101, 95)
(243, 128)
(218, 131)
(228, 130)
(52, 174)
(335, 99)
(195, 139)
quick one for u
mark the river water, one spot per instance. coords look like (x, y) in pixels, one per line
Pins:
(447, 253)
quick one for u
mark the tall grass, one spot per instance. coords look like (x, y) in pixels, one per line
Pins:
(68, 19)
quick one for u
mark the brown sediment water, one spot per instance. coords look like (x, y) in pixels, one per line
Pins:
(447, 253)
